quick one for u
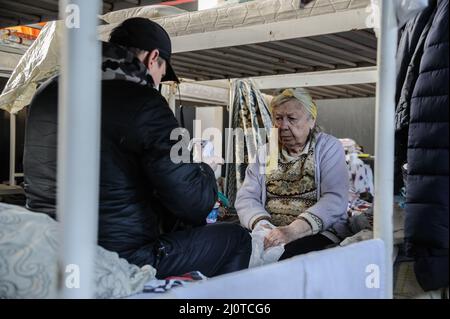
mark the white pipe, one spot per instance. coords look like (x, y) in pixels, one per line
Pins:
(172, 97)
(12, 148)
(229, 141)
(79, 146)
(384, 137)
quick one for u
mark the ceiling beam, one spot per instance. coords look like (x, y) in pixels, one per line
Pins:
(332, 49)
(341, 21)
(320, 78)
(319, 55)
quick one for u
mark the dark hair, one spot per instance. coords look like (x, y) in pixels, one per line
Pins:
(137, 52)
(160, 61)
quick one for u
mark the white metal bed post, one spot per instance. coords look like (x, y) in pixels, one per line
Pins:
(79, 145)
(384, 137)
(12, 149)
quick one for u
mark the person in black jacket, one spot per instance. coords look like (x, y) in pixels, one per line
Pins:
(140, 185)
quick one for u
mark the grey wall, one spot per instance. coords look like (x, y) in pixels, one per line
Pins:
(349, 118)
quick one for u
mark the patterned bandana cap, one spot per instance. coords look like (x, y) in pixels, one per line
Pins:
(288, 93)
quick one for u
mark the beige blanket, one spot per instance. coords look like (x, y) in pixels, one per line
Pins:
(28, 260)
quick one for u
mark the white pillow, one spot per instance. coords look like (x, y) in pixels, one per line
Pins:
(150, 12)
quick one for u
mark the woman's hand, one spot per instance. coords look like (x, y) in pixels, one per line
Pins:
(286, 234)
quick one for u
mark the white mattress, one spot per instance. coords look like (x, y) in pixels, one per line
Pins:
(351, 272)
(252, 12)
(246, 14)
(41, 60)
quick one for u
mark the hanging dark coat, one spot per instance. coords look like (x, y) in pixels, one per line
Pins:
(427, 213)
(409, 54)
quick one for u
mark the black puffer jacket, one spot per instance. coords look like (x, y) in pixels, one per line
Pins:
(427, 213)
(139, 182)
(409, 54)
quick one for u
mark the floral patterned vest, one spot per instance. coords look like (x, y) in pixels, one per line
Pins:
(291, 188)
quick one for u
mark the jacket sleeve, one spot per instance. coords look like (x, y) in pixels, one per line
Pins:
(249, 204)
(334, 186)
(188, 190)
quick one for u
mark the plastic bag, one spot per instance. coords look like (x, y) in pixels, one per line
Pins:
(212, 216)
(260, 256)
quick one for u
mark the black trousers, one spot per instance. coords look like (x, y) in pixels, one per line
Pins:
(305, 245)
(213, 250)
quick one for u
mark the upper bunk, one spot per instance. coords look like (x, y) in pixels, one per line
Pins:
(328, 46)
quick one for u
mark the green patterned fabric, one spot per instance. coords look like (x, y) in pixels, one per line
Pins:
(251, 114)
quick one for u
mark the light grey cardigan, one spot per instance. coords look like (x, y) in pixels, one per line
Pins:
(332, 184)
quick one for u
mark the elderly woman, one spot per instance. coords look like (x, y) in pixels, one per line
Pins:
(305, 196)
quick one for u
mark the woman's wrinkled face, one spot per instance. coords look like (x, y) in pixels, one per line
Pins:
(293, 124)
